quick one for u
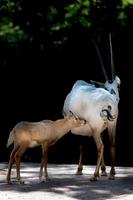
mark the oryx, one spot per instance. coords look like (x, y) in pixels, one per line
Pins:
(99, 107)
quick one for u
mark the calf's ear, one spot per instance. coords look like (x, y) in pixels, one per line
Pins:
(63, 113)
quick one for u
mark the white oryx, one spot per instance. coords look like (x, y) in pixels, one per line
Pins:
(99, 107)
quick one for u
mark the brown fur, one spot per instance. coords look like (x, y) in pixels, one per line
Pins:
(31, 134)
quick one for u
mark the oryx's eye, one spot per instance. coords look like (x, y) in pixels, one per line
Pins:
(110, 81)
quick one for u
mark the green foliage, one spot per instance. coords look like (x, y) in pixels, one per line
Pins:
(88, 15)
(74, 13)
(122, 18)
(126, 3)
(52, 12)
(122, 9)
(10, 6)
(54, 24)
(11, 33)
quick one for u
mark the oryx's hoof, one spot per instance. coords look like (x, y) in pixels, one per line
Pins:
(111, 177)
(9, 182)
(79, 173)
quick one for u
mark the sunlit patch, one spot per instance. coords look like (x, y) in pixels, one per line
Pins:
(99, 191)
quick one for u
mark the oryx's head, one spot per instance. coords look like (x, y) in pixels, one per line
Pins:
(112, 85)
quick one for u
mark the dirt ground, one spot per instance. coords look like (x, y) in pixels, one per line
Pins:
(64, 184)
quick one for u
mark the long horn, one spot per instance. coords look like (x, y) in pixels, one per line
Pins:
(111, 57)
(101, 61)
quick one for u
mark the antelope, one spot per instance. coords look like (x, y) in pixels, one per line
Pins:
(97, 103)
(32, 134)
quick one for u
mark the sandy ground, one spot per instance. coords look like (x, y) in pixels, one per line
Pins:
(65, 185)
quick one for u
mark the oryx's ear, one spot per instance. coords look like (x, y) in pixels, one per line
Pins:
(97, 84)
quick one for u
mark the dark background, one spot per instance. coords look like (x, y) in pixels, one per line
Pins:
(36, 75)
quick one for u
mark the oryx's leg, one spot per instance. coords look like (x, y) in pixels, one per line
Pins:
(100, 148)
(80, 165)
(111, 132)
(112, 152)
(22, 148)
(103, 167)
(44, 162)
(11, 161)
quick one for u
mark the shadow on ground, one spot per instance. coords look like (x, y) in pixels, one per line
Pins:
(65, 184)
